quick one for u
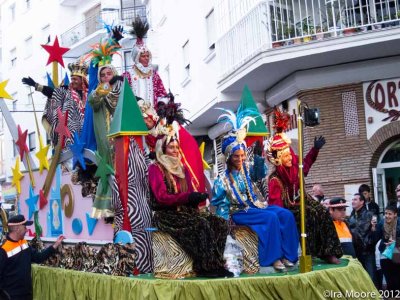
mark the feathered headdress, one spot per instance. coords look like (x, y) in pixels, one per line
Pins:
(277, 144)
(171, 111)
(102, 52)
(234, 140)
(281, 120)
(139, 29)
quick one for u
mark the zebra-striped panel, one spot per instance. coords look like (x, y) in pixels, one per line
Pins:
(170, 260)
(248, 239)
(139, 212)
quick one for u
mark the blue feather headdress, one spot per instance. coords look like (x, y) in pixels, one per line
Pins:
(234, 140)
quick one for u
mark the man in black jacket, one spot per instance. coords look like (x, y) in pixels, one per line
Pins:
(16, 257)
(362, 224)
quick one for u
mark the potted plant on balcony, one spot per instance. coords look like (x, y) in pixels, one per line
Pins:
(319, 35)
(277, 39)
(307, 28)
(289, 34)
(375, 22)
(332, 17)
(348, 22)
(396, 18)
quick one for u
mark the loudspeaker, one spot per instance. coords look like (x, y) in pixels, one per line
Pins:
(311, 117)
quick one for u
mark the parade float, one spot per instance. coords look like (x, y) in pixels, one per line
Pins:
(106, 259)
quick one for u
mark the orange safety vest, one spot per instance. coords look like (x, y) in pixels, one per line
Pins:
(12, 248)
(343, 232)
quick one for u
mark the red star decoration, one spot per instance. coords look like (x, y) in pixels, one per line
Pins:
(62, 128)
(21, 142)
(56, 52)
(42, 199)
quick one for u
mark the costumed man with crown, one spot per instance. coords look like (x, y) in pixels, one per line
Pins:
(144, 80)
(175, 201)
(104, 100)
(71, 99)
(236, 196)
(283, 185)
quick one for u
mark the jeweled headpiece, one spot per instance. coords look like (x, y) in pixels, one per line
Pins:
(78, 68)
(279, 142)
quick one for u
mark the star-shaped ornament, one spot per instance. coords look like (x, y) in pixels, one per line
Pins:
(56, 52)
(62, 128)
(42, 156)
(42, 199)
(21, 142)
(91, 223)
(32, 202)
(17, 175)
(103, 171)
(77, 151)
(205, 164)
(3, 92)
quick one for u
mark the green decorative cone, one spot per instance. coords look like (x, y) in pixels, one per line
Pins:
(247, 101)
(127, 118)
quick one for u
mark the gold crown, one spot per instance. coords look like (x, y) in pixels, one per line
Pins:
(78, 68)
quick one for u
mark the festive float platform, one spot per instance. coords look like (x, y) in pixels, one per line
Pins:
(324, 282)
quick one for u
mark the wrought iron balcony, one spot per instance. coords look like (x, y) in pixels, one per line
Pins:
(285, 23)
(294, 22)
(93, 24)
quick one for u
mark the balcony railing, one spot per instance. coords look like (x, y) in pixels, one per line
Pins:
(93, 24)
(302, 21)
(247, 38)
(128, 14)
(279, 23)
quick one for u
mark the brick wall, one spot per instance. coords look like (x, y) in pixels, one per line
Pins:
(343, 159)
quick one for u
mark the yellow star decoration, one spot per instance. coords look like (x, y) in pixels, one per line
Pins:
(3, 92)
(205, 164)
(17, 175)
(42, 156)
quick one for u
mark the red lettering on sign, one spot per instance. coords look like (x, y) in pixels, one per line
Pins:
(379, 96)
(391, 87)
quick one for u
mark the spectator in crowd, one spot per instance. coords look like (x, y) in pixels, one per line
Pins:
(337, 209)
(369, 203)
(362, 224)
(16, 257)
(389, 232)
(318, 193)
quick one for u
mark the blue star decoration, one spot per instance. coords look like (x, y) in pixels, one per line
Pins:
(91, 223)
(103, 171)
(77, 151)
(55, 192)
(32, 202)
